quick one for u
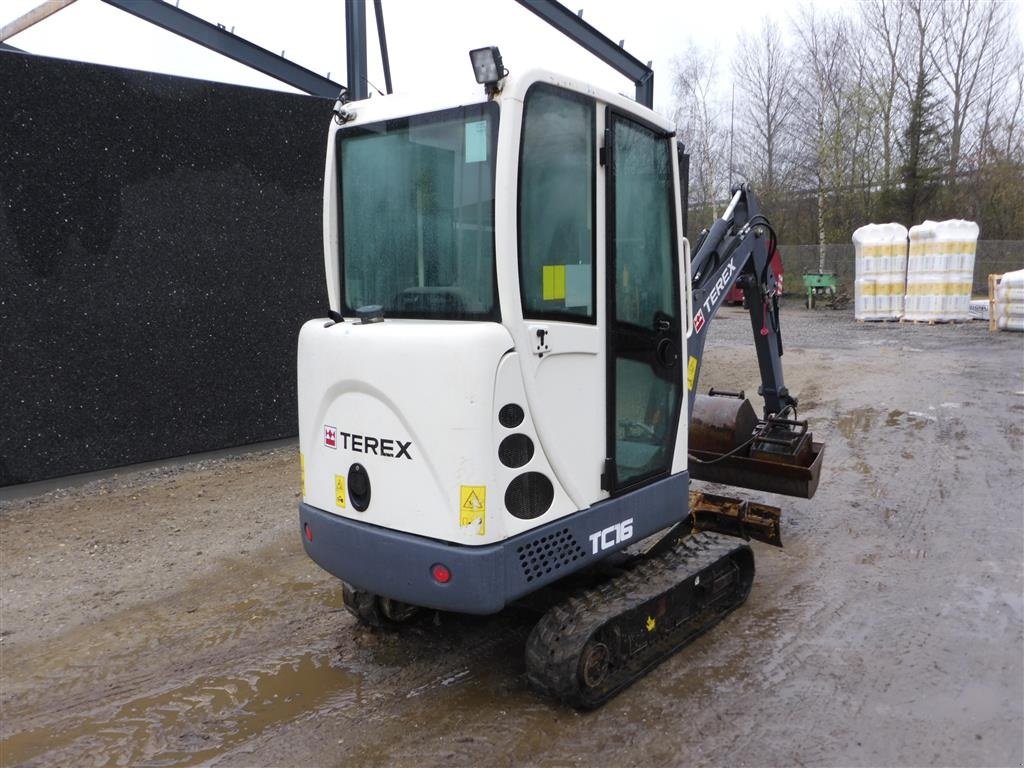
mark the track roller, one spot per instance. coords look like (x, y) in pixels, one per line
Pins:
(589, 647)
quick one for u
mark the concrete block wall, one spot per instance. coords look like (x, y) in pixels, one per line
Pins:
(160, 246)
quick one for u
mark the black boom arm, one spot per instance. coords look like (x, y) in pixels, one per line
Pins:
(737, 249)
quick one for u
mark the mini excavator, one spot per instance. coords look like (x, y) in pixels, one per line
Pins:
(501, 402)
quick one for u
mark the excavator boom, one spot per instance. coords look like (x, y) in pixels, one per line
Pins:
(728, 443)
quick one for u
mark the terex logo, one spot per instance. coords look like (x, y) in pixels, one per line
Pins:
(389, 448)
(717, 289)
(609, 537)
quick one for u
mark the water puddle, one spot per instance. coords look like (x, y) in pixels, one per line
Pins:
(857, 421)
(894, 418)
(192, 723)
(914, 419)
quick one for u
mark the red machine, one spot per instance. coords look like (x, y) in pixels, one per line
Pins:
(736, 294)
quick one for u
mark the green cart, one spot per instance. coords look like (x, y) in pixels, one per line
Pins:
(819, 283)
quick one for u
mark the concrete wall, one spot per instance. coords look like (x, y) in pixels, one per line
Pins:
(993, 256)
(160, 245)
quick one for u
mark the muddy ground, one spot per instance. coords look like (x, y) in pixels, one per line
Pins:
(168, 616)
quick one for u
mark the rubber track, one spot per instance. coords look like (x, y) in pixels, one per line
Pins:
(554, 646)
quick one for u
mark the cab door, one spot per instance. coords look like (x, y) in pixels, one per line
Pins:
(560, 277)
(644, 374)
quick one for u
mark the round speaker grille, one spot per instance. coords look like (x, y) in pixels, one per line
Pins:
(529, 495)
(515, 451)
(510, 416)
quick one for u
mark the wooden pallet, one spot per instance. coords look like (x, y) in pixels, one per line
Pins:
(933, 321)
(993, 283)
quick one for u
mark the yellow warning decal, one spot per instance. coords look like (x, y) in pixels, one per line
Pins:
(473, 507)
(691, 371)
(302, 475)
(554, 282)
(339, 490)
(651, 624)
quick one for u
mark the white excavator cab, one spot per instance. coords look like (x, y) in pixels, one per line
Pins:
(498, 398)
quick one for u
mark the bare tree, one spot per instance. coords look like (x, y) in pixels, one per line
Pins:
(885, 21)
(902, 109)
(920, 145)
(822, 49)
(762, 71)
(1002, 109)
(975, 39)
(698, 116)
(859, 135)
(1013, 122)
(991, 191)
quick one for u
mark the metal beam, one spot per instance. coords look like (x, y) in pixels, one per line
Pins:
(382, 38)
(582, 33)
(222, 41)
(37, 14)
(355, 48)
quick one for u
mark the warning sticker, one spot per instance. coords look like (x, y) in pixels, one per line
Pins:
(554, 282)
(473, 507)
(691, 371)
(339, 490)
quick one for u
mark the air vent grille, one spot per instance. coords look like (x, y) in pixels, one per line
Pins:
(529, 495)
(548, 554)
(515, 451)
(511, 416)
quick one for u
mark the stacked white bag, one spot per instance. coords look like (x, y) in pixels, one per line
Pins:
(940, 270)
(1009, 302)
(881, 271)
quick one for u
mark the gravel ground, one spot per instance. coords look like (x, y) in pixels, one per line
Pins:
(168, 616)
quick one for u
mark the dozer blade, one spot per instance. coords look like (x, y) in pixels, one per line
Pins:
(736, 517)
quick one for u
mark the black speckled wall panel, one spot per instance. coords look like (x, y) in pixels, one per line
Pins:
(160, 246)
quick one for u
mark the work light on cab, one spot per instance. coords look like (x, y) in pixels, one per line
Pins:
(487, 67)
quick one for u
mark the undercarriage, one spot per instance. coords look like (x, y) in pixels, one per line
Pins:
(602, 630)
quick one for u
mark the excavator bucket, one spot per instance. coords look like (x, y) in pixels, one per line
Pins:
(731, 446)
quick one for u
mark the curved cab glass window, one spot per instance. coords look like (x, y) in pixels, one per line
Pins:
(645, 259)
(556, 205)
(417, 215)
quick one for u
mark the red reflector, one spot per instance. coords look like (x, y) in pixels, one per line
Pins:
(308, 530)
(440, 573)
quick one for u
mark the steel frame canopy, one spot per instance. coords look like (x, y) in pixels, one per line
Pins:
(590, 39)
(222, 41)
(226, 43)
